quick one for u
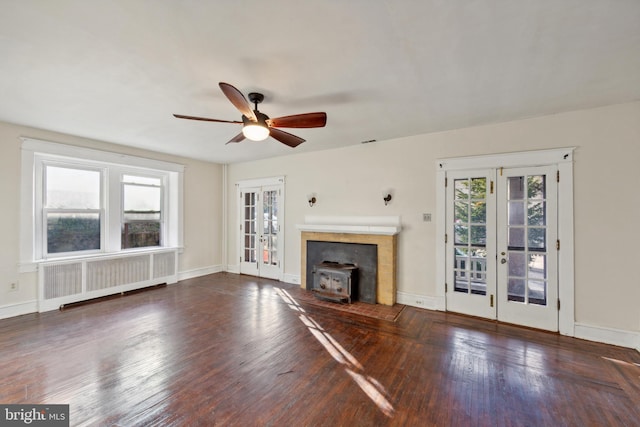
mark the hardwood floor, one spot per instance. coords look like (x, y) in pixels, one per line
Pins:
(235, 350)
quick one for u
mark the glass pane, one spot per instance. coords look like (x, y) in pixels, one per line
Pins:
(537, 292)
(461, 281)
(536, 213)
(515, 290)
(478, 271)
(478, 235)
(537, 239)
(461, 189)
(537, 267)
(478, 188)
(515, 188)
(517, 264)
(140, 234)
(536, 187)
(479, 212)
(516, 238)
(70, 232)
(72, 188)
(516, 213)
(461, 234)
(141, 202)
(461, 212)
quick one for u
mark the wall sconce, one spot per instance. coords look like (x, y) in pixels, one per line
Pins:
(311, 198)
(386, 196)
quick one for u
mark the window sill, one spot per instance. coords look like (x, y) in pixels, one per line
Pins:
(32, 266)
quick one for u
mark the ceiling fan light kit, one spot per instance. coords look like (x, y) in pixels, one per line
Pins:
(257, 126)
(255, 130)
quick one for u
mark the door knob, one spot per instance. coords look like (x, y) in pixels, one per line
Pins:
(503, 261)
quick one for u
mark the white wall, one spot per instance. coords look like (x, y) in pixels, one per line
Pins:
(202, 213)
(606, 175)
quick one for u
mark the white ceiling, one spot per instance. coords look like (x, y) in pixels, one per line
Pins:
(117, 70)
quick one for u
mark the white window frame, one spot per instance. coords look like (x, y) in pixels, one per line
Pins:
(163, 199)
(41, 210)
(37, 153)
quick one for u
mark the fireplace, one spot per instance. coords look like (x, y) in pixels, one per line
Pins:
(380, 232)
(362, 256)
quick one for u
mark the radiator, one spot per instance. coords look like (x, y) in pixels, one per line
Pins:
(64, 282)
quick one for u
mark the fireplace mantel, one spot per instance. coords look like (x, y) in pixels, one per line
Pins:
(380, 231)
(384, 225)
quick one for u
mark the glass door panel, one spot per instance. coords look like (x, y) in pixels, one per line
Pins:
(527, 284)
(472, 242)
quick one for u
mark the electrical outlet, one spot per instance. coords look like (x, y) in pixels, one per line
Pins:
(420, 302)
(426, 217)
(13, 286)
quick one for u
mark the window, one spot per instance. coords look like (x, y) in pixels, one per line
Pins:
(72, 209)
(142, 211)
(90, 202)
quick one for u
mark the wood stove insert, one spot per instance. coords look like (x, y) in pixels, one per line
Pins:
(335, 282)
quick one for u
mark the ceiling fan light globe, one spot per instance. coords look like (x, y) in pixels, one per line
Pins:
(255, 132)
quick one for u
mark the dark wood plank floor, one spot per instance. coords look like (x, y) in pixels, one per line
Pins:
(235, 350)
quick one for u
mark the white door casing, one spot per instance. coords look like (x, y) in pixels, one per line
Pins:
(560, 160)
(260, 225)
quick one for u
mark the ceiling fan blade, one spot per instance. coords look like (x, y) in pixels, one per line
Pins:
(180, 116)
(238, 100)
(285, 137)
(239, 137)
(308, 120)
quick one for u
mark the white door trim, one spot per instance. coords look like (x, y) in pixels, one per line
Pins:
(563, 158)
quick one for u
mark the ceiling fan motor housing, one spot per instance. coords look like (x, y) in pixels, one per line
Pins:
(262, 119)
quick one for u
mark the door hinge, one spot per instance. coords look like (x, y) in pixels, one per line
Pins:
(491, 301)
(446, 237)
(557, 176)
(501, 168)
(241, 194)
(558, 244)
(558, 304)
(240, 227)
(240, 259)
(446, 288)
(491, 192)
(446, 180)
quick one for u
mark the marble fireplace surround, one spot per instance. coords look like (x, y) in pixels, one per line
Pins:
(378, 230)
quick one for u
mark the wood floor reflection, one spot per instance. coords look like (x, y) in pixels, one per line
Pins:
(235, 350)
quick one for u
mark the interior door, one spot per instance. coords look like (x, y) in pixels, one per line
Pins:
(470, 243)
(260, 245)
(527, 285)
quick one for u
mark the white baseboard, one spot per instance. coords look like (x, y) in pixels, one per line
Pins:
(12, 310)
(233, 269)
(197, 272)
(420, 301)
(612, 336)
(294, 279)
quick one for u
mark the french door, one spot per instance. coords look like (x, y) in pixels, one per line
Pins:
(501, 252)
(260, 242)
(527, 247)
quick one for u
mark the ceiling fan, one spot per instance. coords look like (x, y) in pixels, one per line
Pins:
(257, 126)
